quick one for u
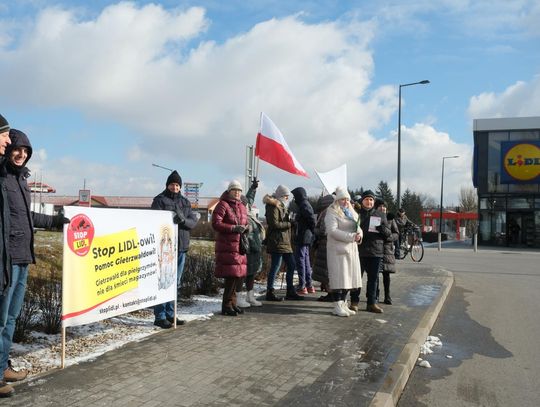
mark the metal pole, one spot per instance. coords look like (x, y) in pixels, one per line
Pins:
(399, 152)
(440, 206)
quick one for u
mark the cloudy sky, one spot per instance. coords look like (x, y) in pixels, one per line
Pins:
(106, 89)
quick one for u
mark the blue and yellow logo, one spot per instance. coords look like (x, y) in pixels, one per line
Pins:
(521, 161)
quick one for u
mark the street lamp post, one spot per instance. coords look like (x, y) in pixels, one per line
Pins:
(424, 82)
(441, 206)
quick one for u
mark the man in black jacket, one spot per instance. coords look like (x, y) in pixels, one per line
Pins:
(304, 221)
(13, 176)
(172, 200)
(376, 230)
(5, 269)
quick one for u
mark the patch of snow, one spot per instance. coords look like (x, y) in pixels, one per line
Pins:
(424, 363)
(382, 321)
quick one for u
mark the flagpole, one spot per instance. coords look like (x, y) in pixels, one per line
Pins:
(257, 157)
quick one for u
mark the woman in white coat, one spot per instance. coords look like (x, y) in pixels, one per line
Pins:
(343, 236)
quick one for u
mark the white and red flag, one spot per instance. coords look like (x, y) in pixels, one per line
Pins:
(272, 148)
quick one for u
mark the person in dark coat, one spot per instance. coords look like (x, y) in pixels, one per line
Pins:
(376, 230)
(320, 265)
(388, 265)
(172, 200)
(22, 221)
(256, 235)
(303, 238)
(278, 242)
(6, 390)
(230, 221)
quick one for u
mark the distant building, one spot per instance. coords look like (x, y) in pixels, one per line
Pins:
(506, 173)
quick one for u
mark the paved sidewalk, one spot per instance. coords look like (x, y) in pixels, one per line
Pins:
(281, 354)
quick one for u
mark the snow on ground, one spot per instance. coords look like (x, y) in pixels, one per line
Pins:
(87, 342)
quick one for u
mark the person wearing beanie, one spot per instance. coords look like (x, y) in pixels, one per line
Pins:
(304, 222)
(278, 242)
(13, 176)
(6, 390)
(343, 235)
(230, 221)
(375, 230)
(172, 200)
(388, 265)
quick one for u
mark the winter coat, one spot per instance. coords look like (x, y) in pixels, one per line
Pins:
(341, 249)
(389, 258)
(320, 265)
(305, 218)
(373, 242)
(22, 220)
(5, 260)
(404, 223)
(256, 236)
(278, 235)
(228, 213)
(169, 201)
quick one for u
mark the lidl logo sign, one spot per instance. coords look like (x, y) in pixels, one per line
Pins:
(520, 162)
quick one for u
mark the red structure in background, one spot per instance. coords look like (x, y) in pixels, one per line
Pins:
(431, 218)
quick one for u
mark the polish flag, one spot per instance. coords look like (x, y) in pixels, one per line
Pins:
(272, 148)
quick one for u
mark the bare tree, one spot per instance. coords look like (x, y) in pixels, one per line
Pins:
(468, 202)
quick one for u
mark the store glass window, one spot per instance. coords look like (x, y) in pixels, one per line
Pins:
(520, 203)
(494, 161)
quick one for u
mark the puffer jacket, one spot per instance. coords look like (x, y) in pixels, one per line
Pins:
(278, 238)
(229, 212)
(305, 218)
(373, 242)
(168, 201)
(256, 236)
(389, 258)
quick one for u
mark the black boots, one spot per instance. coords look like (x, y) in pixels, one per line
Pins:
(292, 295)
(270, 296)
(228, 311)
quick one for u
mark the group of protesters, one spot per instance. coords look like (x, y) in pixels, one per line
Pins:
(346, 238)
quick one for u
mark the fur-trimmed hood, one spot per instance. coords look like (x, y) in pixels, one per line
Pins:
(270, 200)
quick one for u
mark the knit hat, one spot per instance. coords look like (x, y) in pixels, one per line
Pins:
(174, 178)
(379, 202)
(4, 125)
(234, 184)
(342, 193)
(368, 193)
(282, 190)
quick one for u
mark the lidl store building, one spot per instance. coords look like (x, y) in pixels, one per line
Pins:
(506, 173)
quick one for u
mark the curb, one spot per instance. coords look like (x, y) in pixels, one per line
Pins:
(398, 374)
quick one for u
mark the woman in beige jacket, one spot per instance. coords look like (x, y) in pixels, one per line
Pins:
(343, 236)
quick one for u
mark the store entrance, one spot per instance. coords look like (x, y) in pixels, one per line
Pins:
(520, 228)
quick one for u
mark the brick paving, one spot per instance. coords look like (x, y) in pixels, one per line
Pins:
(281, 354)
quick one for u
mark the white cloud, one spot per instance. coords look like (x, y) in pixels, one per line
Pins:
(518, 100)
(194, 101)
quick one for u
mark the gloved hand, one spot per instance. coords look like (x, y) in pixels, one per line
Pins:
(59, 221)
(255, 183)
(238, 229)
(179, 218)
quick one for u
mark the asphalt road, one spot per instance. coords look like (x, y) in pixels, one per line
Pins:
(490, 326)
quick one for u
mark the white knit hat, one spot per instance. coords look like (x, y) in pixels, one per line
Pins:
(342, 193)
(282, 190)
(234, 184)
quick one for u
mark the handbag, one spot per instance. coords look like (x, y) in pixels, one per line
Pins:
(243, 247)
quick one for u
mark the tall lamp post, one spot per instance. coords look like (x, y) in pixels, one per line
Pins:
(424, 82)
(441, 206)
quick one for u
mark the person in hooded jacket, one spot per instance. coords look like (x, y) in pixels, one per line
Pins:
(376, 230)
(278, 242)
(22, 220)
(303, 238)
(6, 390)
(230, 221)
(172, 200)
(388, 265)
(320, 264)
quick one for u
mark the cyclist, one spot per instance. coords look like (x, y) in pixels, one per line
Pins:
(404, 224)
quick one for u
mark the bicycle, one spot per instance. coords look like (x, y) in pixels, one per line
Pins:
(411, 243)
